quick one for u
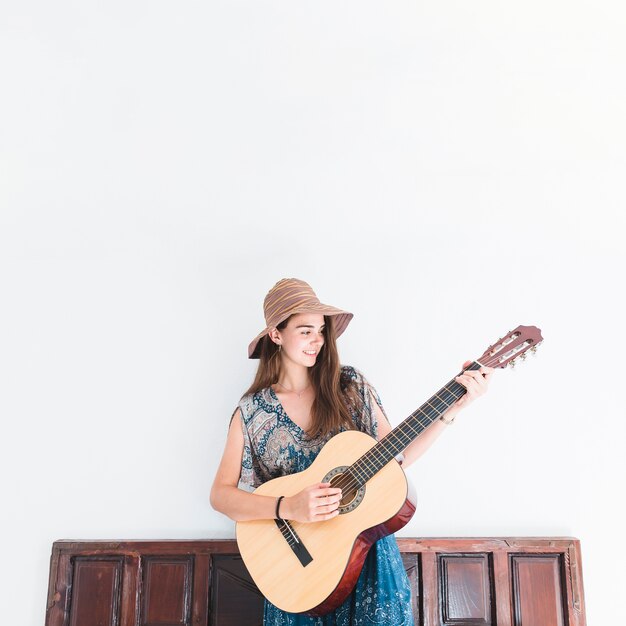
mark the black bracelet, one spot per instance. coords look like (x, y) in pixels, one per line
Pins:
(277, 516)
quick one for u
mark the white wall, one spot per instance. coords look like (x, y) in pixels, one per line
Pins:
(446, 171)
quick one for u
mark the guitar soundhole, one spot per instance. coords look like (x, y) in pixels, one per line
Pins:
(351, 495)
(348, 498)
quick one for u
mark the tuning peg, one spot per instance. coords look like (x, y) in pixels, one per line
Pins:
(523, 356)
(534, 349)
(512, 364)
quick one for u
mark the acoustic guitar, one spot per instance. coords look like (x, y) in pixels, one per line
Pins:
(312, 567)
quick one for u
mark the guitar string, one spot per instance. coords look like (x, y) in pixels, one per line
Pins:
(393, 438)
(378, 453)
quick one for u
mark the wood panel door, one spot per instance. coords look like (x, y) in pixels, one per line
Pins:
(454, 582)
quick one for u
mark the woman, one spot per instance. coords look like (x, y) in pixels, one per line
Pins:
(300, 397)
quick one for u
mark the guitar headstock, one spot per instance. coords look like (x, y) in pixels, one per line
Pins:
(512, 346)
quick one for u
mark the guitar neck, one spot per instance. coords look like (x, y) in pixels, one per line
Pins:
(406, 432)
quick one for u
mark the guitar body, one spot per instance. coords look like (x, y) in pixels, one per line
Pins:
(337, 547)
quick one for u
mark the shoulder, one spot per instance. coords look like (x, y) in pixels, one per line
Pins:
(252, 404)
(351, 375)
(350, 372)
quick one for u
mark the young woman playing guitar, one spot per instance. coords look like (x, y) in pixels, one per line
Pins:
(300, 398)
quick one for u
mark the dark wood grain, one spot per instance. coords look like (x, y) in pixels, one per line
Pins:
(96, 591)
(166, 591)
(538, 592)
(466, 582)
(234, 596)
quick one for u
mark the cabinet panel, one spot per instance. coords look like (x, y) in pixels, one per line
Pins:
(537, 583)
(166, 591)
(465, 586)
(412, 566)
(233, 594)
(96, 591)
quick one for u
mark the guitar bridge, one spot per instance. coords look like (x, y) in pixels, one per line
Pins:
(292, 538)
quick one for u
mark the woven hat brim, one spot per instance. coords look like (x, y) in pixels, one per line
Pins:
(341, 318)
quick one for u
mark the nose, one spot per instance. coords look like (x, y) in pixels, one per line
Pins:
(318, 341)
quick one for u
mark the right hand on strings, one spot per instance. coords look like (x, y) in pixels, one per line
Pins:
(316, 503)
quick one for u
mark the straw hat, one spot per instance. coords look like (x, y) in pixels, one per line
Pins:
(288, 297)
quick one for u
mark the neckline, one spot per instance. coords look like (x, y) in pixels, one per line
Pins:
(282, 410)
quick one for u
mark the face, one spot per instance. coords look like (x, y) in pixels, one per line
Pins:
(302, 338)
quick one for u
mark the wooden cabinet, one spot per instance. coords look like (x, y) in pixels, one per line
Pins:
(455, 582)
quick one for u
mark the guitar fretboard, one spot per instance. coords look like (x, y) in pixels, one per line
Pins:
(403, 434)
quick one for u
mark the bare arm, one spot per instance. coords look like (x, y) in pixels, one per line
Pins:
(418, 446)
(475, 381)
(226, 497)
(313, 504)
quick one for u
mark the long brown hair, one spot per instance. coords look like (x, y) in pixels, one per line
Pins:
(334, 394)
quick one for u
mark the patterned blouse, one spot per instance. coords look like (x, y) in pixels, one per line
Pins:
(275, 446)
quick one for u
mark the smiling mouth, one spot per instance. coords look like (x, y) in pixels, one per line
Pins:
(310, 352)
